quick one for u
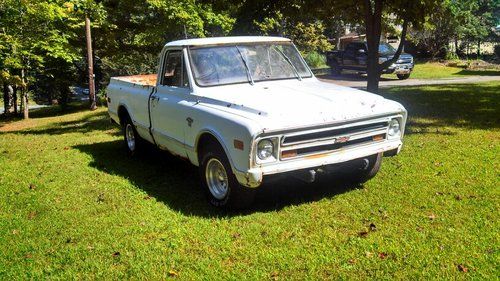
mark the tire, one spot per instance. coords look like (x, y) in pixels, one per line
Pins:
(133, 142)
(403, 76)
(370, 168)
(219, 183)
(335, 69)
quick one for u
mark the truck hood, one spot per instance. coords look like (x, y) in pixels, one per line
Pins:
(279, 105)
(403, 56)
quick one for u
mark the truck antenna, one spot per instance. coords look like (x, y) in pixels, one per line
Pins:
(185, 32)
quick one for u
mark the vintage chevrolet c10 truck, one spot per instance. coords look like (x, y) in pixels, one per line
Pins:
(245, 108)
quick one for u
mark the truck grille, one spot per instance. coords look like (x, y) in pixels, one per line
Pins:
(404, 61)
(331, 139)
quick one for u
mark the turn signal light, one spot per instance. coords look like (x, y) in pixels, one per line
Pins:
(238, 144)
(288, 153)
(378, 137)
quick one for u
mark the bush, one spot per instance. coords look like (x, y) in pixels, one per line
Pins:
(315, 60)
(451, 56)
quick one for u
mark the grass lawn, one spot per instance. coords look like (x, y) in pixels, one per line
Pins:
(73, 205)
(433, 70)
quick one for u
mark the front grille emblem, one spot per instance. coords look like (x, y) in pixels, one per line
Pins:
(342, 139)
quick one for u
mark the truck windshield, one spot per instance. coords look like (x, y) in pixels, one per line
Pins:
(246, 63)
(385, 49)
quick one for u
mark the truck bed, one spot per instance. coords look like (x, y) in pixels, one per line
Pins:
(142, 80)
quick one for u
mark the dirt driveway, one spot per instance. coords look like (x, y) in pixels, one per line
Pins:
(358, 81)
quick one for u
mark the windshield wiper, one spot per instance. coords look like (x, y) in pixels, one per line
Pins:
(250, 78)
(289, 62)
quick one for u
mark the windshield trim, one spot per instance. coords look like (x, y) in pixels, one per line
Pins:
(311, 75)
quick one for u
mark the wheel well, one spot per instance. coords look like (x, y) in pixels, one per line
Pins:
(205, 140)
(122, 114)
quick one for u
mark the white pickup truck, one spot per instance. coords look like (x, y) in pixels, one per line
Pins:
(245, 108)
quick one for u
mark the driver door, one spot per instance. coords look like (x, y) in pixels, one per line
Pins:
(170, 104)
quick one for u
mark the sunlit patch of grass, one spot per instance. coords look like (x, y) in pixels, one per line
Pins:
(434, 70)
(74, 205)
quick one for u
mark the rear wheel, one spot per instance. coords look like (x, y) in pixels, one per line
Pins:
(133, 142)
(220, 184)
(403, 76)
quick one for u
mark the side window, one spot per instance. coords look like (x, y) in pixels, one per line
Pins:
(174, 73)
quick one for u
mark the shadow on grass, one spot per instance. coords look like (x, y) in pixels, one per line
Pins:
(475, 106)
(89, 123)
(175, 182)
(489, 72)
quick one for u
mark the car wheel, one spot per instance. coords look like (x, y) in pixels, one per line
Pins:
(220, 184)
(133, 142)
(403, 76)
(370, 167)
(335, 69)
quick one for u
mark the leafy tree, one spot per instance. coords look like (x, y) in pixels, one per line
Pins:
(33, 33)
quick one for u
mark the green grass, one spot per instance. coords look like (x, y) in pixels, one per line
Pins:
(92, 212)
(433, 70)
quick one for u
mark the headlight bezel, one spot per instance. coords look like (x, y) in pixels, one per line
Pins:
(394, 128)
(274, 141)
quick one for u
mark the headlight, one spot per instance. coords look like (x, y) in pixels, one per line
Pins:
(265, 149)
(394, 128)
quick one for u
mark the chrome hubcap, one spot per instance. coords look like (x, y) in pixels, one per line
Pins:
(129, 137)
(216, 178)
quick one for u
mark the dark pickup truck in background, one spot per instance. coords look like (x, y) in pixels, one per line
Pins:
(355, 56)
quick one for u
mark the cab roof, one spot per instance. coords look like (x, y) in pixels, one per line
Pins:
(225, 40)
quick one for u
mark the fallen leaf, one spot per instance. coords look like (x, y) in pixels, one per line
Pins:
(66, 148)
(373, 227)
(172, 273)
(31, 215)
(420, 229)
(15, 232)
(439, 193)
(116, 254)
(90, 248)
(147, 197)
(462, 268)
(274, 275)
(363, 234)
(32, 186)
(100, 198)
(382, 255)
(458, 197)
(28, 256)
(352, 261)
(236, 235)
(432, 216)
(368, 254)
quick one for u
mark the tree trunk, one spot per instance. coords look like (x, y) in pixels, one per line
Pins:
(373, 20)
(14, 99)
(6, 99)
(24, 94)
(90, 59)
(478, 49)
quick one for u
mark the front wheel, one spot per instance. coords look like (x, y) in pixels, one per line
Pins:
(370, 167)
(220, 184)
(335, 69)
(403, 76)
